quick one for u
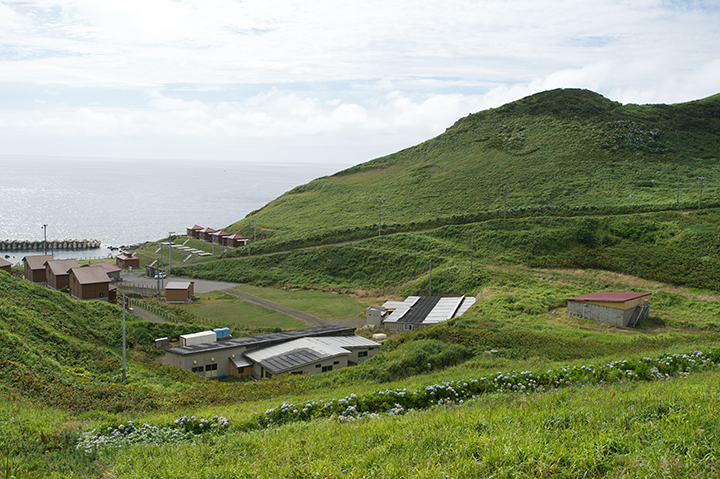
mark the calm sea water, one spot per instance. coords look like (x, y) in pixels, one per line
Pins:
(122, 202)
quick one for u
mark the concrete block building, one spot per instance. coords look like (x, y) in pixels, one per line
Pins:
(619, 309)
(310, 351)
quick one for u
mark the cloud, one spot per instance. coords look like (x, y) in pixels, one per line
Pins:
(208, 79)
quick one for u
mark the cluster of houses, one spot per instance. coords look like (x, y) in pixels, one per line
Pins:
(89, 281)
(221, 238)
(305, 351)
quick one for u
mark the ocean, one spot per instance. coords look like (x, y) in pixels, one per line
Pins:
(124, 202)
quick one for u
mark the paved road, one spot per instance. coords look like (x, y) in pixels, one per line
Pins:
(203, 286)
(308, 318)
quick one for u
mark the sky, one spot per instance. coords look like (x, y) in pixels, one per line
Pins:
(319, 81)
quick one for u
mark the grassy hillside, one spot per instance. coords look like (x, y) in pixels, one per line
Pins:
(561, 148)
(673, 247)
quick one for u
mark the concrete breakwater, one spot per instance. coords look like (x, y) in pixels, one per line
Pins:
(66, 244)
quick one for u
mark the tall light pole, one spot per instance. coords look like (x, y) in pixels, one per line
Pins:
(170, 240)
(124, 305)
(45, 241)
(701, 178)
(431, 276)
(507, 189)
(379, 216)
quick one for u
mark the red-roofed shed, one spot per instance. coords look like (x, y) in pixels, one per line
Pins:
(235, 241)
(619, 309)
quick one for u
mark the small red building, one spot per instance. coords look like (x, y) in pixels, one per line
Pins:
(127, 260)
(89, 282)
(219, 237)
(205, 234)
(194, 231)
(35, 267)
(235, 241)
(57, 272)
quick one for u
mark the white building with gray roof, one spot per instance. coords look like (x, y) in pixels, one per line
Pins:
(309, 351)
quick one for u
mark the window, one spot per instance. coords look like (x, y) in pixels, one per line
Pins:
(199, 370)
(326, 368)
(362, 354)
(336, 362)
(408, 327)
(318, 365)
(101, 294)
(210, 370)
(296, 372)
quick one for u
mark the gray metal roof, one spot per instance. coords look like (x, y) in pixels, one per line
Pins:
(427, 309)
(295, 354)
(262, 341)
(240, 362)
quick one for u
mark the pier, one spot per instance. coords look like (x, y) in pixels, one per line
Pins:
(66, 244)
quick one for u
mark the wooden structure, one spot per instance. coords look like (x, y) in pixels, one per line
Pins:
(418, 312)
(5, 265)
(235, 241)
(218, 237)
(57, 272)
(179, 291)
(113, 272)
(127, 260)
(89, 282)
(205, 234)
(619, 309)
(194, 231)
(35, 268)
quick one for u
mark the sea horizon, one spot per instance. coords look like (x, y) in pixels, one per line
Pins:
(131, 201)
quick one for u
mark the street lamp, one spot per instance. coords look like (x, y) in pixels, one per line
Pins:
(45, 241)
(170, 241)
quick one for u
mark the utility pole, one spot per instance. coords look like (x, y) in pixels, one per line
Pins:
(472, 243)
(45, 241)
(170, 240)
(254, 231)
(379, 215)
(124, 306)
(701, 178)
(507, 188)
(430, 276)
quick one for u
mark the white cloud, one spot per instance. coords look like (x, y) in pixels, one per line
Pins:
(372, 73)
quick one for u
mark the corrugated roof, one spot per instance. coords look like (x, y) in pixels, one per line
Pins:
(420, 310)
(90, 275)
(609, 297)
(443, 310)
(295, 354)
(62, 266)
(184, 285)
(240, 362)
(400, 308)
(236, 236)
(263, 340)
(4, 262)
(125, 256)
(38, 261)
(196, 227)
(346, 341)
(469, 301)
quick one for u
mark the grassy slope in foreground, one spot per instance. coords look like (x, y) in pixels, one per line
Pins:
(560, 148)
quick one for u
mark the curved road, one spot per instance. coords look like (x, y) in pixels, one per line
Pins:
(203, 286)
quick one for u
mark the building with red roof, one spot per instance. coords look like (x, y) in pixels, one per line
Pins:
(619, 309)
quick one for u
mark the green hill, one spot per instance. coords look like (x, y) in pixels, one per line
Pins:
(560, 148)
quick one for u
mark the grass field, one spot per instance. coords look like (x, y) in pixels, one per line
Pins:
(225, 309)
(322, 304)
